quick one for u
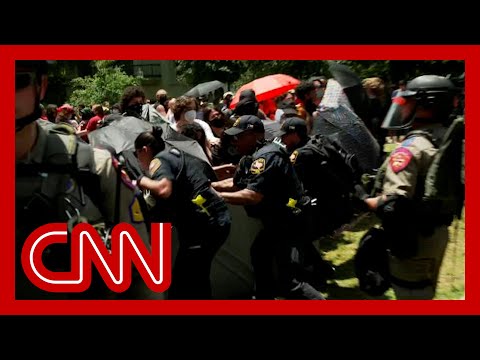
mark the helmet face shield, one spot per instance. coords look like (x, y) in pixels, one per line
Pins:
(401, 113)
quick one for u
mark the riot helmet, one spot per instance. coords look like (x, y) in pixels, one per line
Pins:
(27, 73)
(430, 92)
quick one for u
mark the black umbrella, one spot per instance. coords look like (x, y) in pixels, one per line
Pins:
(343, 74)
(175, 139)
(205, 88)
(352, 87)
(344, 126)
(119, 136)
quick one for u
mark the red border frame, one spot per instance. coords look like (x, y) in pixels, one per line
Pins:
(8, 53)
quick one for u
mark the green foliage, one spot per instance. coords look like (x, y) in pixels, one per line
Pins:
(194, 72)
(299, 69)
(236, 73)
(59, 77)
(366, 69)
(107, 84)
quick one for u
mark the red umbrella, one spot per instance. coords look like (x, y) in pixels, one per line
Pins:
(267, 87)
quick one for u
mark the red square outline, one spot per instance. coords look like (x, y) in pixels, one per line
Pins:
(9, 53)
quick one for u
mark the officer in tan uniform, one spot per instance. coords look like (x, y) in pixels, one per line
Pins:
(417, 233)
(59, 178)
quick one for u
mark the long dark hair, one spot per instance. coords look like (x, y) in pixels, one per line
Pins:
(152, 138)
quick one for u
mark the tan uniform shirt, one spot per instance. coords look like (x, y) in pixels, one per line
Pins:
(129, 206)
(102, 164)
(407, 166)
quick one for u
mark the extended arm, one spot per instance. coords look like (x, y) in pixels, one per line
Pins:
(226, 185)
(242, 197)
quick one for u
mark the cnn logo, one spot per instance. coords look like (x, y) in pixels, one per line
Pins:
(87, 248)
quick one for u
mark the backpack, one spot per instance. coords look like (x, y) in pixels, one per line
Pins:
(62, 188)
(331, 180)
(443, 196)
(445, 180)
(340, 167)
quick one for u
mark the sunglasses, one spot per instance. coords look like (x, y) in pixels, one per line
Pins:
(24, 79)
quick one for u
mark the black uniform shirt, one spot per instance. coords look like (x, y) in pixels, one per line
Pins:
(270, 173)
(191, 177)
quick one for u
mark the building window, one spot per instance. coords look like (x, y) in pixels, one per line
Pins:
(148, 70)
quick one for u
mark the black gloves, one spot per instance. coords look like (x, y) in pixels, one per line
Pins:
(358, 198)
(360, 192)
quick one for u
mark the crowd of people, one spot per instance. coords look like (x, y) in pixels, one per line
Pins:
(271, 157)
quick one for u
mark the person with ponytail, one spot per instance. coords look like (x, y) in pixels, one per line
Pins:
(180, 186)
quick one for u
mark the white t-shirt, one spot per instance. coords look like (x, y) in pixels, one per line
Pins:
(206, 128)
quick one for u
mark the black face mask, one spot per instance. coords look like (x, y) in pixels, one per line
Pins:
(135, 110)
(24, 121)
(218, 122)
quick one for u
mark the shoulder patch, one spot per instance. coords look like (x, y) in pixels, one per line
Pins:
(293, 157)
(400, 159)
(258, 166)
(154, 166)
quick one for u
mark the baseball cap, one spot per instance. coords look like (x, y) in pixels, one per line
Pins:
(247, 96)
(66, 108)
(246, 122)
(293, 124)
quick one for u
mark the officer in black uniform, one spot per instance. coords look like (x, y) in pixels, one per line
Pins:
(180, 184)
(266, 184)
(327, 171)
(327, 177)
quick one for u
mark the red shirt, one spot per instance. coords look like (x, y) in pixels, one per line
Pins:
(93, 123)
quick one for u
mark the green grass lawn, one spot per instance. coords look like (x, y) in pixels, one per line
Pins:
(340, 251)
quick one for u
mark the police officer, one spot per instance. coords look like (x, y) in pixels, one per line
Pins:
(266, 184)
(59, 178)
(180, 184)
(327, 174)
(417, 232)
(326, 170)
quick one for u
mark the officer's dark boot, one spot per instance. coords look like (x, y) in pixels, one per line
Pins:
(318, 272)
(324, 269)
